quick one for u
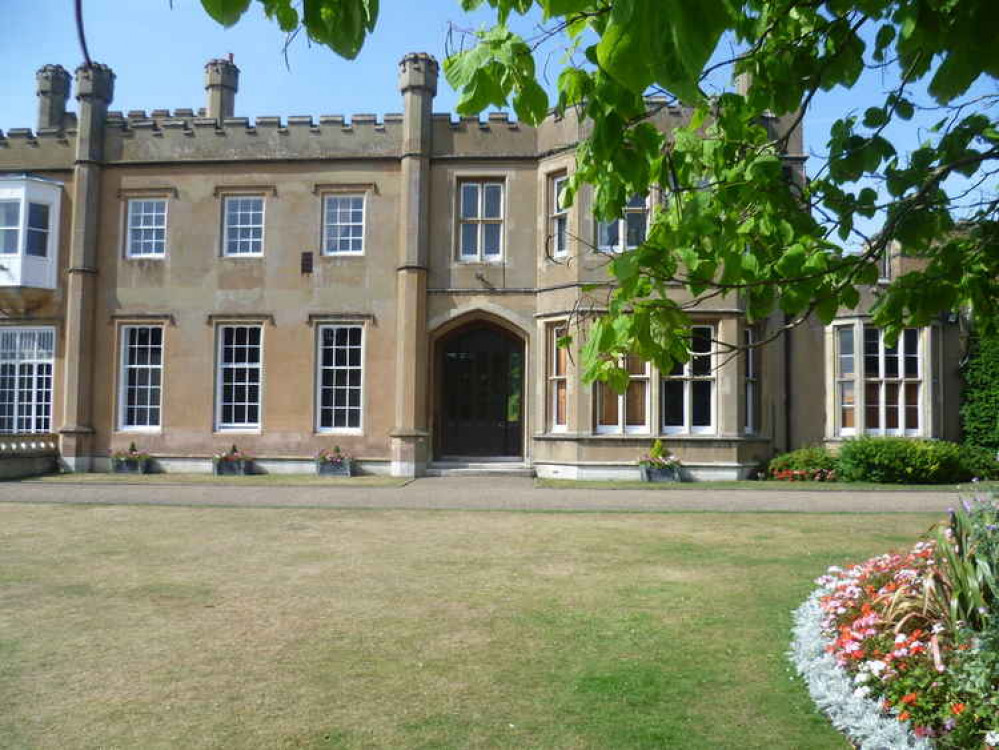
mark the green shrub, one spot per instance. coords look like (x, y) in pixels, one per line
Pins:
(980, 396)
(812, 463)
(898, 460)
(980, 463)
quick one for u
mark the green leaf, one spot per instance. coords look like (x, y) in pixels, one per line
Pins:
(226, 12)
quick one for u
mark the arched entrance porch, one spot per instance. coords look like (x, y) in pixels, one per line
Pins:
(479, 408)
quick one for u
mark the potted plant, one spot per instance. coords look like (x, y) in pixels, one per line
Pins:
(132, 461)
(334, 463)
(659, 465)
(232, 462)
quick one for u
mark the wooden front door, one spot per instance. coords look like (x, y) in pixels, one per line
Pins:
(481, 393)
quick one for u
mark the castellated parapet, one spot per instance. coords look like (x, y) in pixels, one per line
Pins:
(214, 134)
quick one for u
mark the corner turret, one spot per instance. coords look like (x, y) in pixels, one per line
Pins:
(52, 88)
(221, 85)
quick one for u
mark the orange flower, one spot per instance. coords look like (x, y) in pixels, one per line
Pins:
(909, 698)
(957, 708)
(904, 716)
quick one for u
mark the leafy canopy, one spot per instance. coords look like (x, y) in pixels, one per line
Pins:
(731, 222)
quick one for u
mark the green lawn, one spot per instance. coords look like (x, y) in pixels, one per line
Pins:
(766, 486)
(249, 628)
(305, 480)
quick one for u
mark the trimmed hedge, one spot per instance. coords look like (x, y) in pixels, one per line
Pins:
(898, 460)
(980, 396)
(812, 463)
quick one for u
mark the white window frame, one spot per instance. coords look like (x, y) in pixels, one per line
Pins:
(558, 216)
(320, 368)
(40, 419)
(688, 377)
(901, 380)
(846, 379)
(221, 366)
(327, 198)
(16, 227)
(859, 380)
(130, 249)
(123, 386)
(622, 427)
(226, 226)
(481, 221)
(556, 378)
(622, 227)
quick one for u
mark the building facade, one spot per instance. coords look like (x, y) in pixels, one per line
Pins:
(191, 280)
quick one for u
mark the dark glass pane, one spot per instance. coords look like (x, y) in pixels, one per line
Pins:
(701, 403)
(673, 403)
(38, 216)
(38, 242)
(872, 340)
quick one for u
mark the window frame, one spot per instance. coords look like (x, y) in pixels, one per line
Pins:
(688, 377)
(318, 370)
(901, 381)
(622, 427)
(220, 367)
(130, 253)
(842, 379)
(480, 221)
(556, 379)
(123, 367)
(860, 379)
(226, 197)
(48, 388)
(16, 227)
(622, 227)
(329, 195)
(557, 216)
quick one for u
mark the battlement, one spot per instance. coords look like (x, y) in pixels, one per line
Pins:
(215, 133)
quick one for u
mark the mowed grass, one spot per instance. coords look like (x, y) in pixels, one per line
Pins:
(254, 628)
(249, 480)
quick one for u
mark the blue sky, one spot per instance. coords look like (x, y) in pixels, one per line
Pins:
(158, 55)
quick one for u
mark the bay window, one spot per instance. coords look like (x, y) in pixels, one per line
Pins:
(879, 389)
(27, 357)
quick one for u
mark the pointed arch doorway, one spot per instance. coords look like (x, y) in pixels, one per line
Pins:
(480, 392)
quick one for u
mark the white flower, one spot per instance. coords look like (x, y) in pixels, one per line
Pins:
(992, 738)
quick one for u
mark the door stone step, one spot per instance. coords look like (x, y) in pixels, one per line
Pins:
(479, 469)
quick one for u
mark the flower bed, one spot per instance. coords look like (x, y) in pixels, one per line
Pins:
(902, 651)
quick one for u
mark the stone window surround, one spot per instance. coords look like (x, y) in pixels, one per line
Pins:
(223, 193)
(156, 192)
(459, 177)
(556, 214)
(929, 369)
(324, 190)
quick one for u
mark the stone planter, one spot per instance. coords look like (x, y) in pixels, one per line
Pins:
(130, 465)
(331, 469)
(232, 468)
(663, 474)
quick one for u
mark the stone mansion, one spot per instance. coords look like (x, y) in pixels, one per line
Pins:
(186, 280)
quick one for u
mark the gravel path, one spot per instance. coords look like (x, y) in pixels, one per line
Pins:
(481, 493)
